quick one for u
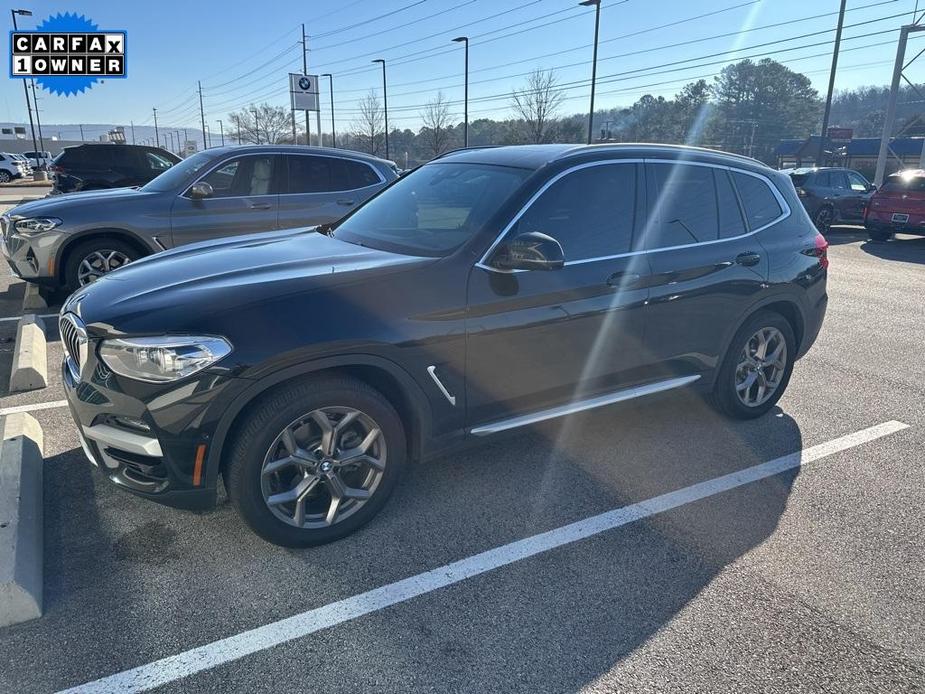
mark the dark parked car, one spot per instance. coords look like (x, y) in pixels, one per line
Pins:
(71, 240)
(107, 165)
(485, 291)
(898, 206)
(831, 195)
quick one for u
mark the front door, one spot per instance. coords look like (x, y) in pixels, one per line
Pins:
(544, 338)
(244, 199)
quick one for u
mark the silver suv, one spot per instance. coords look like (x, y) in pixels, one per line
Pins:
(70, 240)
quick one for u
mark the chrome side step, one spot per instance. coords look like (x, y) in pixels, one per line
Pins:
(582, 405)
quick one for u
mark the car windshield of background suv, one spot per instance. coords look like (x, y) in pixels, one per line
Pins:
(433, 210)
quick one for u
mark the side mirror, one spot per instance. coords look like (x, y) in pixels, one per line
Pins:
(200, 190)
(872, 188)
(529, 251)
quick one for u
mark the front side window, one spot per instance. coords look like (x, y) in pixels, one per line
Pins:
(839, 181)
(179, 174)
(246, 176)
(433, 210)
(156, 162)
(590, 212)
(761, 205)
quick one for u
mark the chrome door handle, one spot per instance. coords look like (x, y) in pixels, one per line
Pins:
(622, 278)
(748, 259)
(345, 202)
(260, 205)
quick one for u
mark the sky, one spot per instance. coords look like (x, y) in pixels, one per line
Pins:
(242, 52)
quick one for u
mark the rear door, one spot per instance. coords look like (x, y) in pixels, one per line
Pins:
(706, 263)
(842, 196)
(245, 199)
(126, 167)
(322, 189)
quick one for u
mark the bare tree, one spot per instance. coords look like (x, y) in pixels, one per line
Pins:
(538, 105)
(436, 130)
(369, 127)
(264, 124)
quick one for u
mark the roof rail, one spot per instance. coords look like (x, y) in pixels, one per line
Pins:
(464, 149)
(578, 149)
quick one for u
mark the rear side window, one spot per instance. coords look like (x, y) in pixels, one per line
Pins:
(123, 157)
(761, 206)
(823, 179)
(684, 205)
(590, 212)
(347, 174)
(731, 223)
(309, 174)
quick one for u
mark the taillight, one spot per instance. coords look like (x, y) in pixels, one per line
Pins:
(821, 251)
(55, 169)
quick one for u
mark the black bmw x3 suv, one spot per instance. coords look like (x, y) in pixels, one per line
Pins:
(485, 291)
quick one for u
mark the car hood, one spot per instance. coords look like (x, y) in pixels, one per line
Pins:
(187, 287)
(59, 205)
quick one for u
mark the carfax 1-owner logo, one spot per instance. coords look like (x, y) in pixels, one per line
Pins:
(67, 53)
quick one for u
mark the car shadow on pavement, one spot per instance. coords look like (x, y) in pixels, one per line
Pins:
(117, 565)
(908, 249)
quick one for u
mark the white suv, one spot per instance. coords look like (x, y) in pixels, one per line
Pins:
(12, 167)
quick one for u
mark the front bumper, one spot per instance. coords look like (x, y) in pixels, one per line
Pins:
(29, 257)
(153, 440)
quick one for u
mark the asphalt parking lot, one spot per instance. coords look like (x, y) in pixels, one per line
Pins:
(807, 580)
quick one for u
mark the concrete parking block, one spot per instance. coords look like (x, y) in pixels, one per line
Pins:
(33, 298)
(21, 534)
(30, 364)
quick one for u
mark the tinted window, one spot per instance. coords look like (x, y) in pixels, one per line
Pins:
(901, 184)
(839, 181)
(798, 179)
(857, 182)
(761, 207)
(683, 204)
(730, 216)
(589, 211)
(178, 174)
(823, 179)
(123, 157)
(244, 176)
(350, 175)
(309, 174)
(432, 210)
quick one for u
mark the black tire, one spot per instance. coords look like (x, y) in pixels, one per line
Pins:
(274, 413)
(823, 219)
(880, 235)
(5, 177)
(82, 250)
(725, 397)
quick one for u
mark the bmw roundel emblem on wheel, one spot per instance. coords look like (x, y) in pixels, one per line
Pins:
(305, 83)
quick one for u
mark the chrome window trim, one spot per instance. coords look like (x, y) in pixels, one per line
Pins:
(785, 211)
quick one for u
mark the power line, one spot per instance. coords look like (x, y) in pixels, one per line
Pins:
(367, 21)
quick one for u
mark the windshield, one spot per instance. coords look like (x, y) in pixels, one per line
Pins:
(798, 179)
(904, 184)
(434, 210)
(178, 173)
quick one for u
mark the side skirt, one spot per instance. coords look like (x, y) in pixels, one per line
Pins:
(582, 405)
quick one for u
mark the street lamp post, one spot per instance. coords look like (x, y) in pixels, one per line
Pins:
(385, 101)
(333, 135)
(221, 129)
(25, 88)
(597, 26)
(465, 40)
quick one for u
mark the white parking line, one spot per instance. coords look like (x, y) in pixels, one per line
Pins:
(33, 408)
(9, 319)
(211, 655)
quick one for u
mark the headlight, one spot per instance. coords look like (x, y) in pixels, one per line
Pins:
(161, 359)
(36, 225)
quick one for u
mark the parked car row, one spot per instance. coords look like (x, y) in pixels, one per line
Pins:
(487, 290)
(13, 166)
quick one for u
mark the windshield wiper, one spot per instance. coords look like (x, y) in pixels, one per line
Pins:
(326, 229)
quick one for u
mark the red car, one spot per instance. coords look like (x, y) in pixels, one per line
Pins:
(897, 206)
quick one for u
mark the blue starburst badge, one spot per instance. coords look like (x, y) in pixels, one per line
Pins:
(67, 54)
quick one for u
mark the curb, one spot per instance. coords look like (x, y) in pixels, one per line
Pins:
(21, 533)
(30, 364)
(33, 298)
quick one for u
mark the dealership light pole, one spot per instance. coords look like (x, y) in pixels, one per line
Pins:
(202, 118)
(828, 99)
(38, 119)
(465, 39)
(221, 130)
(156, 133)
(333, 135)
(308, 130)
(597, 28)
(25, 88)
(385, 101)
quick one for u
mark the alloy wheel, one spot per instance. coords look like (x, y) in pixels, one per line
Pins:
(98, 263)
(761, 368)
(323, 467)
(824, 218)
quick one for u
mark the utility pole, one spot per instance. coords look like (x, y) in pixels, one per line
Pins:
(81, 132)
(157, 134)
(185, 136)
(131, 123)
(25, 88)
(308, 136)
(38, 120)
(221, 129)
(385, 101)
(333, 135)
(202, 116)
(828, 99)
(597, 27)
(465, 39)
